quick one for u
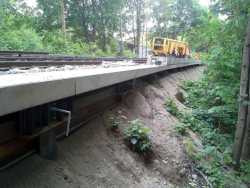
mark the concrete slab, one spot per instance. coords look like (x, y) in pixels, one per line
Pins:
(22, 91)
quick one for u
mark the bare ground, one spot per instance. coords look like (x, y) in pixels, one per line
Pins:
(97, 157)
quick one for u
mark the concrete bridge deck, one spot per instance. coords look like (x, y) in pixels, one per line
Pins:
(22, 91)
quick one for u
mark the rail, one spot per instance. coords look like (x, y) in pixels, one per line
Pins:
(45, 60)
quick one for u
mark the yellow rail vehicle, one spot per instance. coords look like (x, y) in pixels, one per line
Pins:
(167, 47)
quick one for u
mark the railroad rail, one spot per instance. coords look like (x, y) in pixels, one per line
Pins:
(60, 57)
(40, 59)
(22, 53)
(5, 64)
(12, 64)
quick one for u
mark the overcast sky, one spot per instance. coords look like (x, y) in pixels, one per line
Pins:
(33, 2)
(205, 2)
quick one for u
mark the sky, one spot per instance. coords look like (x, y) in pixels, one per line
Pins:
(205, 2)
(32, 3)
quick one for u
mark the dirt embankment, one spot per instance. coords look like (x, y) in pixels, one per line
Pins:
(96, 157)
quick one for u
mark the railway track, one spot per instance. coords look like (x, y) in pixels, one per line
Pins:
(21, 53)
(42, 59)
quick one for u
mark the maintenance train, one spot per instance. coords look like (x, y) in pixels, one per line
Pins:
(169, 47)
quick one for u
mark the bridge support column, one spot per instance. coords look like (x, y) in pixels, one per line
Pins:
(47, 145)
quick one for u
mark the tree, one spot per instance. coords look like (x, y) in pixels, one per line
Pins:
(95, 20)
(63, 17)
(246, 142)
(138, 5)
(203, 37)
(175, 17)
(50, 14)
(243, 116)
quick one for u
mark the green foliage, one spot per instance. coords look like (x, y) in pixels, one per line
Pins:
(129, 54)
(114, 123)
(22, 39)
(49, 18)
(191, 149)
(38, 29)
(214, 104)
(181, 128)
(171, 107)
(56, 42)
(138, 136)
(93, 27)
(203, 37)
(175, 17)
(245, 171)
(215, 97)
(215, 154)
(214, 158)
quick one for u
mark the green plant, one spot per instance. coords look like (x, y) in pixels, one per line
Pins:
(244, 173)
(191, 149)
(181, 128)
(128, 53)
(114, 123)
(214, 157)
(24, 38)
(171, 107)
(138, 136)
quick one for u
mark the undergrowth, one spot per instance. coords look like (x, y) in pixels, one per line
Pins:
(138, 137)
(114, 123)
(171, 107)
(213, 157)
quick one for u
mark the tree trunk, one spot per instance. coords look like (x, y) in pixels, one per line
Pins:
(63, 18)
(246, 143)
(134, 35)
(120, 53)
(138, 25)
(243, 108)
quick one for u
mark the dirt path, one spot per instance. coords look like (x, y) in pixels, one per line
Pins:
(95, 157)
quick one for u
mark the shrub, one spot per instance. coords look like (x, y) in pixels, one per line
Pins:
(129, 53)
(214, 158)
(56, 42)
(23, 38)
(114, 123)
(191, 149)
(172, 107)
(181, 128)
(137, 137)
(215, 104)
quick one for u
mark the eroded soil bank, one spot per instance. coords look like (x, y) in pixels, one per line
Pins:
(94, 156)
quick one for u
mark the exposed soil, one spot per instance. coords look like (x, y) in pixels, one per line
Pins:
(95, 156)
